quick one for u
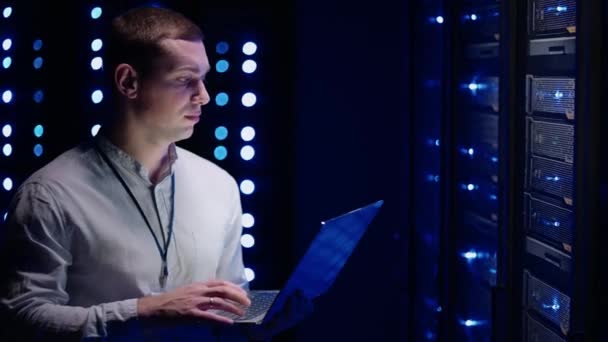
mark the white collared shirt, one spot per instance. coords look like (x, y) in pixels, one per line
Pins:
(80, 254)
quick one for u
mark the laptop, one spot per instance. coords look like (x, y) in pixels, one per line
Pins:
(317, 269)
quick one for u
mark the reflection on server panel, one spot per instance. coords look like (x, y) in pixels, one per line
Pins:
(550, 121)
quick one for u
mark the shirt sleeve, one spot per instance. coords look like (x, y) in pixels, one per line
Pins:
(35, 257)
(231, 262)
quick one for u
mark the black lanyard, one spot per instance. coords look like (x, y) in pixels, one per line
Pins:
(164, 271)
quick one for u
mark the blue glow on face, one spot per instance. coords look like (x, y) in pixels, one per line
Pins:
(247, 133)
(6, 62)
(38, 131)
(96, 12)
(247, 152)
(38, 150)
(247, 187)
(248, 220)
(38, 96)
(248, 99)
(97, 96)
(220, 153)
(439, 19)
(249, 66)
(37, 45)
(7, 184)
(96, 44)
(221, 133)
(7, 96)
(96, 63)
(38, 62)
(7, 12)
(250, 48)
(7, 130)
(221, 99)
(249, 274)
(558, 95)
(221, 48)
(222, 66)
(95, 129)
(6, 44)
(7, 149)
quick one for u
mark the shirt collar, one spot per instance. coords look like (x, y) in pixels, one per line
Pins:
(129, 163)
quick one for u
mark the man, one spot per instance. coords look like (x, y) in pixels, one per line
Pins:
(128, 225)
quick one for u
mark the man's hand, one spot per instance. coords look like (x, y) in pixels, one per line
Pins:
(194, 300)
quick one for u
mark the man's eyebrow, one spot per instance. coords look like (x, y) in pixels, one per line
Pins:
(194, 69)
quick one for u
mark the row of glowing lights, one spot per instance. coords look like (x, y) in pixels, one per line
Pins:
(474, 17)
(249, 99)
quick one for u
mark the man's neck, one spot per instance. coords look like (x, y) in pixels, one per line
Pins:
(149, 152)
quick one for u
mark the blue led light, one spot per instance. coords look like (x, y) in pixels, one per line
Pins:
(470, 323)
(439, 19)
(221, 48)
(97, 96)
(96, 12)
(7, 149)
(555, 179)
(37, 45)
(470, 255)
(249, 274)
(38, 131)
(247, 152)
(249, 66)
(38, 150)
(247, 133)
(473, 86)
(558, 95)
(7, 96)
(250, 48)
(7, 12)
(221, 133)
(494, 159)
(493, 197)
(221, 99)
(38, 62)
(95, 129)
(222, 66)
(473, 17)
(247, 240)
(7, 130)
(38, 96)
(220, 153)
(555, 306)
(437, 142)
(247, 220)
(248, 99)
(6, 62)
(96, 63)
(470, 187)
(96, 44)
(7, 184)
(247, 187)
(6, 44)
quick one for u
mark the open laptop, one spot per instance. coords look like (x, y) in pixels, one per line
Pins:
(317, 269)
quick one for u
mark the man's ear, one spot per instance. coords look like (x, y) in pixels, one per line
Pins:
(126, 80)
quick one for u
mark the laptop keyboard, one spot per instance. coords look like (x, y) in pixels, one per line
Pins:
(260, 303)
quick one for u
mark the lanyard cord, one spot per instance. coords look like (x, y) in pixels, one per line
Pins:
(163, 252)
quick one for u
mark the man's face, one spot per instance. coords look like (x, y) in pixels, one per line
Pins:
(170, 98)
